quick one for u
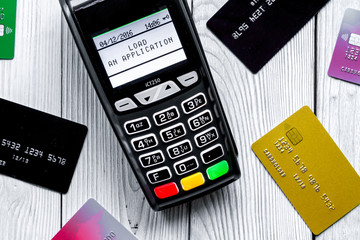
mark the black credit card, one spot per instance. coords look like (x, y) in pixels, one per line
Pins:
(37, 147)
(255, 30)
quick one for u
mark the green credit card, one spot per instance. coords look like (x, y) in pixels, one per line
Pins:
(7, 28)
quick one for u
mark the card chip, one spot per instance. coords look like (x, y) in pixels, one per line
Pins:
(294, 136)
(1, 30)
(354, 39)
(315, 176)
(345, 60)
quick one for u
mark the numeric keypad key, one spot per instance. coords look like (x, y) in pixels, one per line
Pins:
(173, 132)
(144, 142)
(186, 165)
(206, 137)
(166, 116)
(179, 149)
(194, 103)
(202, 119)
(137, 126)
(152, 159)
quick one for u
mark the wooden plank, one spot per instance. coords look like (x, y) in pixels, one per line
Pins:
(33, 79)
(99, 168)
(254, 207)
(338, 107)
(103, 172)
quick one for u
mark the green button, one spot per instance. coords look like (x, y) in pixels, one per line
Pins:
(217, 170)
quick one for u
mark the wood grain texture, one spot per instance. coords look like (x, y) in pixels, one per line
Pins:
(338, 108)
(99, 171)
(254, 207)
(33, 79)
(48, 74)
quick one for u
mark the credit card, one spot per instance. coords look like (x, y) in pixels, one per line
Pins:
(7, 28)
(345, 63)
(37, 147)
(255, 30)
(310, 169)
(93, 222)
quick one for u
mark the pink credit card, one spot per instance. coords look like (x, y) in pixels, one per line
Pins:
(345, 63)
(93, 222)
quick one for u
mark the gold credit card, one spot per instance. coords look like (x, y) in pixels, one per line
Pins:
(310, 169)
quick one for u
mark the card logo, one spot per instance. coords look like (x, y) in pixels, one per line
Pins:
(8, 30)
(345, 60)
(319, 179)
(345, 37)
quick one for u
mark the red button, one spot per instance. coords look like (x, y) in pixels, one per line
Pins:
(166, 190)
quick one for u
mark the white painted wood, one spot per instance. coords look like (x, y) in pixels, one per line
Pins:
(338, 108)
(33, 79)
(254, 207)
(48, 74)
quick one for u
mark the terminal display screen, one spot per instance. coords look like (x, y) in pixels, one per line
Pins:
(140, 48)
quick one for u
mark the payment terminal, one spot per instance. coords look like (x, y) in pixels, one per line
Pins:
(149, 70)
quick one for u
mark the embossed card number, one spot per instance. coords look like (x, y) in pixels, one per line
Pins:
(345, 61)
(255, 30)
(37, 147)
(308, 166)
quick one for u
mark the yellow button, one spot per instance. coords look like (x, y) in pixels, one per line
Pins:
(192, 181)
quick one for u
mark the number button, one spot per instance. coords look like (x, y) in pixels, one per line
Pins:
(137, 125)
(1, 26)
(186, 165)
(212, 154)
(166, 116)
(173, 132)
(206, 137)
(144, 142)
(179, 149)
(194, 103)
(159, 175)
(200, 120)
(152, 159)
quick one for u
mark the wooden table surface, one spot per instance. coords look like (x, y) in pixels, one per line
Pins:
(48, 74)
